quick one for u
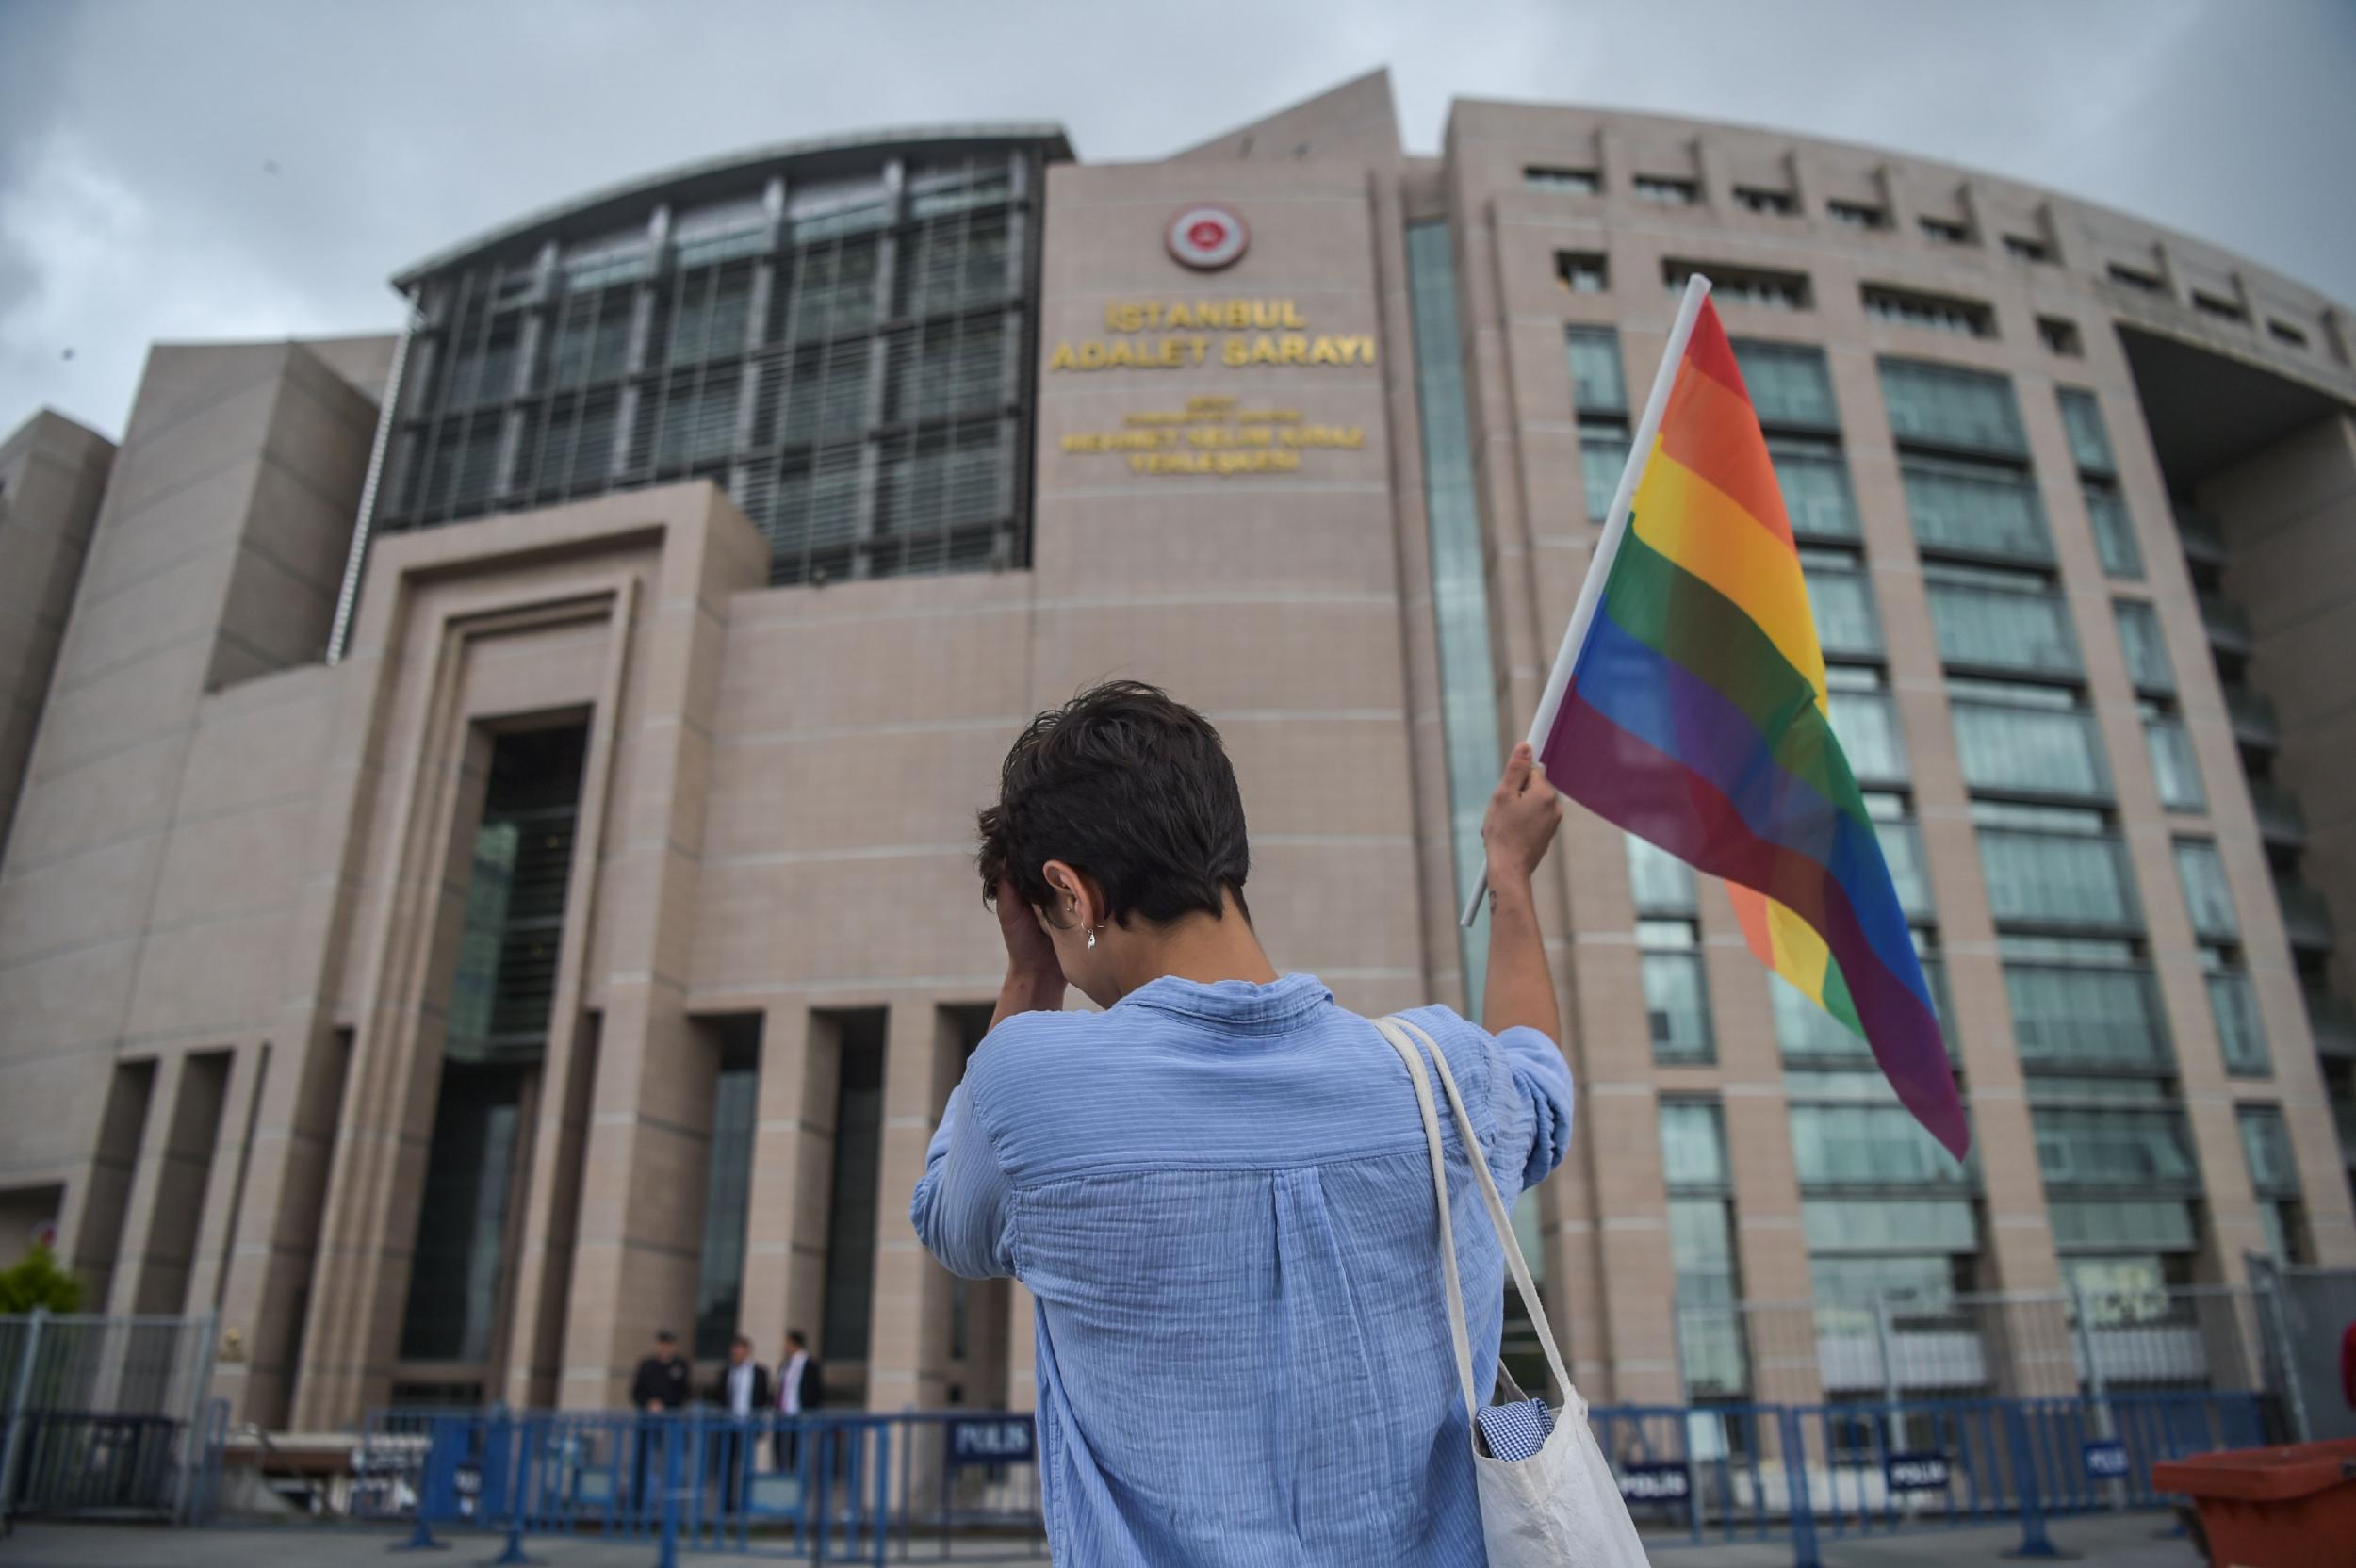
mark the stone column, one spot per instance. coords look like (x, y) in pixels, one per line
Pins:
(907, 1352)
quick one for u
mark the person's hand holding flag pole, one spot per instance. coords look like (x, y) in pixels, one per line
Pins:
(1687, 704)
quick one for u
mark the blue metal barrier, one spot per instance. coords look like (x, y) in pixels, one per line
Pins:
(842, 1486)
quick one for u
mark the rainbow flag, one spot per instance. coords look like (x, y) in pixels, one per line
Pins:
(1696, 717)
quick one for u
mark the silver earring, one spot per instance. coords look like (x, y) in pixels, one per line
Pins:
(1091, 939)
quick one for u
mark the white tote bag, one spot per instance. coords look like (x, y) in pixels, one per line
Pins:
(1560, 1506)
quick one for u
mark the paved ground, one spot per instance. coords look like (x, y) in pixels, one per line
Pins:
(2130, 1541)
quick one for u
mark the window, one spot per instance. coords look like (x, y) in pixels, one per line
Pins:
(1991, 511)
(1459, 583)
(736, 1095)
(1901, 843)
(1597, 383)
(2011, 622)
(1789, 383)
(2113, 530)
(1944, 231)
(2282, 332)
(2056, 880)
(1661, 882)
(1855, 215)
(1755, 197)
(2103, 1015)
(2241, 1035)
(1866, 1144)
(1953, 408)
(847, 1294)
(1866, 724)
(2174, 769)
(1676, 1001)
(2265, 1144)
(1930, 312)
(2223, 309)
(2135, 278)
(1843, 599)
(2022, 247)
(2140, 639)
(2201, 871)
(1669, 191)
(2124, 1148)
(2060, 336)
(1577, 181)
(1742, 285)
(1583, 272)
(1701, 1245)
(1814, 478)
(1599, 394)
(2090, 443)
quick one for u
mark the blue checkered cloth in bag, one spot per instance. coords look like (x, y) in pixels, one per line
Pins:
(1516, 1431)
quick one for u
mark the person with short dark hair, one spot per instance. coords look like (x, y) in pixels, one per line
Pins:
(1217, 1188)
(742, 1394)
(801, 1388)
(663, 1382)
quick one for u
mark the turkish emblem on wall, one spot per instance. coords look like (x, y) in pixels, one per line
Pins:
(1206, 238)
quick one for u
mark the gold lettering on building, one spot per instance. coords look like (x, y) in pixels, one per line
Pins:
(1217, 435)
(1280, 336)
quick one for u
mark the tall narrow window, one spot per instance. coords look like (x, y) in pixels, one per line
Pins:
(850, 1272)
(1460, 593)
(1701, 1245)
(1676, 997)
(1599, 396)
(735, 1106)
(495, 1037)
(2098, 481)
(2266, 1143)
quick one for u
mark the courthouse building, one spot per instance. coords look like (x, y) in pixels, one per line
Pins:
(490, 865)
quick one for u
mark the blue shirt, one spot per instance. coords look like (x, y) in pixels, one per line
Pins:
(1221, 1197)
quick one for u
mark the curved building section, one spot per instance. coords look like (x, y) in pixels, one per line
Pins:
(837, 334)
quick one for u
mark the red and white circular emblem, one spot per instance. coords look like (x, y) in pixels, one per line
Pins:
(1206, 238)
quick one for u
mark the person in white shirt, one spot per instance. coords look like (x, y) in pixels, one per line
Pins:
(742, 1394)
(800, 1388)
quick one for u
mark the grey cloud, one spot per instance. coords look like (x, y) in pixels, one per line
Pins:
(134, 203)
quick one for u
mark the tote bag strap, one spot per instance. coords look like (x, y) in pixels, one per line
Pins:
(1391, 1030)
(1500, 1220)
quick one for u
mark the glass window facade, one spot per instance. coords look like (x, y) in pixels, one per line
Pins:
(1814, 478)
(850, 356)
(2174, 769)
(1701, 1246)
(2266, 1144)
(1597, 383)
(2146, 649)
(2113, 530)
(2013, 627)
(2010, 745)
(1948, 406)
(1662, 883)
(2056, 880)
(1846, 624)
(1866, 724)
(1676, 995)
(2079, 1016)
(2207, 898)
(2090, 443)
(1983, 510)
(727, 1186)
(1789, 386)
(2241, 1035)
(1460, 593)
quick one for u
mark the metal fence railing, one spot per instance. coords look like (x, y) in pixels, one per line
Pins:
(882, 1488)
(105, 1414)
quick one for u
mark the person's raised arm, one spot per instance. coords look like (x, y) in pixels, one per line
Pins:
(1522, 817)
(1035, 982)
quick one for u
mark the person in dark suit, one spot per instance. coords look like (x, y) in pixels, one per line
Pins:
(663, 1382)
(744, 1398)
(801, 1388)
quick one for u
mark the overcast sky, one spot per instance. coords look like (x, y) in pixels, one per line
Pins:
(222, 169)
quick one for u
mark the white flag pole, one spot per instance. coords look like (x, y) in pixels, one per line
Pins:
(1614, 530)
